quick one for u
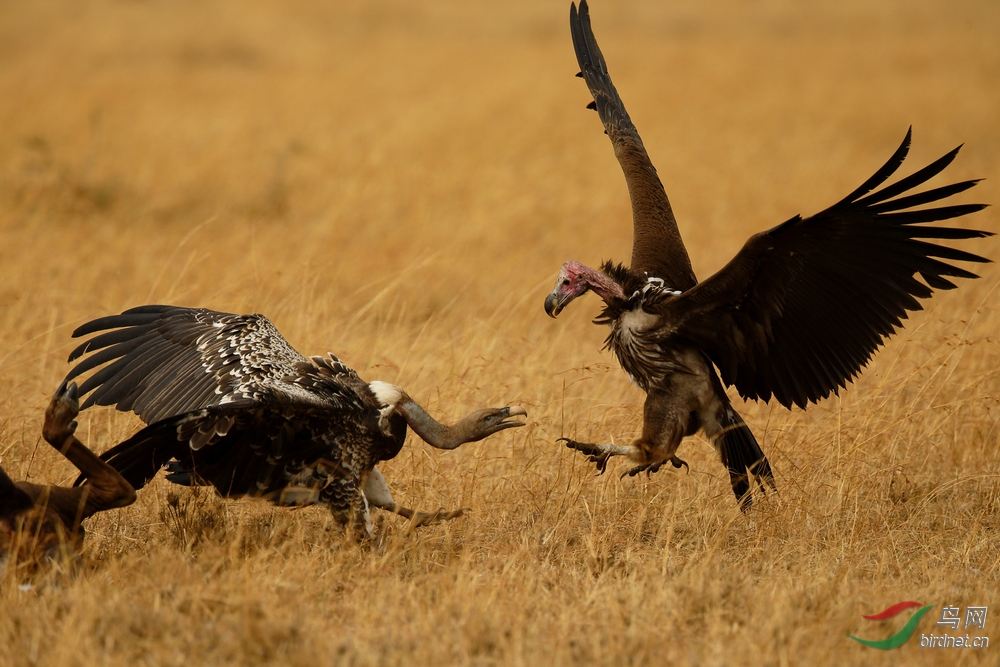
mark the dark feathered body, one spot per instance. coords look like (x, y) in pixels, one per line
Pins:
(232, 405)
(794, 316)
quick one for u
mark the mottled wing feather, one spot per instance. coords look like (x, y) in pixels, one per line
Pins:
(163, 361)
(802, 307)
(657, 247)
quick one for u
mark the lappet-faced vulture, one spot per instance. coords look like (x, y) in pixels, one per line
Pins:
(794, 316)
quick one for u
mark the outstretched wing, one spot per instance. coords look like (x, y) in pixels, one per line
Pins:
(164, 361)
(802, 307)
(657, 248)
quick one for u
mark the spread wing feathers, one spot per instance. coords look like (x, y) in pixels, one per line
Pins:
(657, 248)
(802, 307)
(239, 448)
(162, 361)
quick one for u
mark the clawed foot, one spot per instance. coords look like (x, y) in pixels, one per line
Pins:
(650, 468)
(595, 453)
(59, 416)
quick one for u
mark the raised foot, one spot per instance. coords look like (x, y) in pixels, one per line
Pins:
(59, 415)
(650, 468)
(595, 453)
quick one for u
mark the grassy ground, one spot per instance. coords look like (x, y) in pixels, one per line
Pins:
(399, 183)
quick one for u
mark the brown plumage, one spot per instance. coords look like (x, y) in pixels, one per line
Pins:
(37, 520)
(231, 404)
(794, 316)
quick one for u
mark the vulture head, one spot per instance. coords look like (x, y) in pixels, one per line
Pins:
(482, 423)
(471, 428)
(575, 279)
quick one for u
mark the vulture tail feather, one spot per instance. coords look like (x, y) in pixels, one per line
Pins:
(743, 457)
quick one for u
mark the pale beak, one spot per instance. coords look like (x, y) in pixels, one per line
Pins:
(553, 304)
(512, 411)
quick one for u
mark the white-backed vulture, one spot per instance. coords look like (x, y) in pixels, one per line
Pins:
(231, 404)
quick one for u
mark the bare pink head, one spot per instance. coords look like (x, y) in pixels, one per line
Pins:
(574, 280)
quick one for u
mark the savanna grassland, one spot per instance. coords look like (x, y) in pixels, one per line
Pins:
(399, 183)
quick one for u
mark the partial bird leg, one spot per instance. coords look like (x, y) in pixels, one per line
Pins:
(378, 495)
(599, 454)
(655, 467)
(666, 420)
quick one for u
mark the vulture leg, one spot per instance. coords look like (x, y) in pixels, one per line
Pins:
(676, 461)
(378, 495)
(667, 418)
(599, 454)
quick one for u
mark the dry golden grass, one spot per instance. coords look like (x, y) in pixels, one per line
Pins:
(399, 183)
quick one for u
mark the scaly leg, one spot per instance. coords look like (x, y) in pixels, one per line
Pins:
(378, 495)
(666, 418)
(599, 454)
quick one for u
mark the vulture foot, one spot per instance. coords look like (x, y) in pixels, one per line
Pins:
(598, 454)
(655, 467)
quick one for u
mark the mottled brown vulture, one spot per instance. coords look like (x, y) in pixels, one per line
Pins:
(231, 404)
(36, 520)
(795, 315)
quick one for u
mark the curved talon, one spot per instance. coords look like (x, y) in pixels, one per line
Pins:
(632, 472)
(593, 453)
(651, 468)
(601, 461)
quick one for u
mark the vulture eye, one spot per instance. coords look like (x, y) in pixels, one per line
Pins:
(565, 282)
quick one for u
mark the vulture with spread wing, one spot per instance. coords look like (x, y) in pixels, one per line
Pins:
(795, 315)
(231, 404)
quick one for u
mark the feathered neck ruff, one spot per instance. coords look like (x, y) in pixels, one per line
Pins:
(637, 289)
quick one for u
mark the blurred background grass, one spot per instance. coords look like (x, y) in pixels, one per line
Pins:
(398, 184)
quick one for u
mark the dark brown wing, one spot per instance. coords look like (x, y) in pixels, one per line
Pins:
(802, 307)
(163, 361)
(290, 454)
(657, 248)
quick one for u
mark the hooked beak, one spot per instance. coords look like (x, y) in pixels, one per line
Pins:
(553, 305)
(512, 411)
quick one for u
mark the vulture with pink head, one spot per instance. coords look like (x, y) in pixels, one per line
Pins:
(794, 316)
